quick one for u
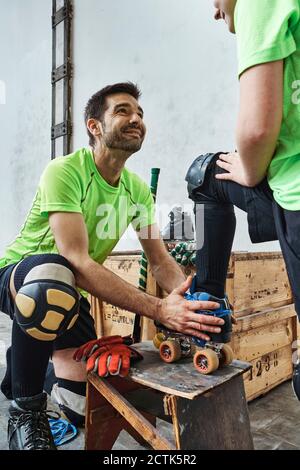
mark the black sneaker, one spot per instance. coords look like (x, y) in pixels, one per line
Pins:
(28, 426)
(296, 381)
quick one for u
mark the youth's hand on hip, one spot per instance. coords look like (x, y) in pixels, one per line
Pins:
(178, 314)
(232, 163)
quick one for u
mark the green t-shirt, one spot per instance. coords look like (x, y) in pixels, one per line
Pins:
(269, 30)
(73, 184)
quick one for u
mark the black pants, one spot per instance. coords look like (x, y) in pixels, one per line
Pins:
(267, 221)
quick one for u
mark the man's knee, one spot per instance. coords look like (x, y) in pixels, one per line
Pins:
(47, 303)
(198, 177)
(65, 366)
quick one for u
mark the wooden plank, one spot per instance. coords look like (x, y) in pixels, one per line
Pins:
(127, 267)
(265, 318)
(111, 320)
(260, 280)
(148, 329)
(265, 339)
(180, 378)
(230, 280)
(170, 402)
(115, 320)
(254, 343)
(97, 313)
(136, 419)
(241, 256)
(268, 371)
(103, 422)
(218, 420)
(127, 253)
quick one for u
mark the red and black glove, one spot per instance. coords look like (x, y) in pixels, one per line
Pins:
(112, 360)
(108, 355)
(87, 349)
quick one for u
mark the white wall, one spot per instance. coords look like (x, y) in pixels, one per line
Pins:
(25, 114)
(185, 64)
(183, 61)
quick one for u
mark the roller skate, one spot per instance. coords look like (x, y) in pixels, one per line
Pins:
(208, 356)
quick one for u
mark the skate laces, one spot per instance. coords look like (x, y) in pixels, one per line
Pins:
(62, 431)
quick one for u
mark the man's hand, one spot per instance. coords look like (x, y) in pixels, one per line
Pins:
(178, 314)
(232, 163)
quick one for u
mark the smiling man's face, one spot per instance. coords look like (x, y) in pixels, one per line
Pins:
(225, 11)
(123, 123)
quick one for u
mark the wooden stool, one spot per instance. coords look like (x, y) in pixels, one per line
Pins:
(207, 412)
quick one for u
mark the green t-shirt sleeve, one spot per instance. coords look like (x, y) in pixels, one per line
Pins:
(264, 30)
(59, 190)
(145, 210)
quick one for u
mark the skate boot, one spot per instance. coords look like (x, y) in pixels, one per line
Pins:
(28, 426)
(215, 352)
(207, 355)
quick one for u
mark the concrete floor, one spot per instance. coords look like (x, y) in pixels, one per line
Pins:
(274, 418)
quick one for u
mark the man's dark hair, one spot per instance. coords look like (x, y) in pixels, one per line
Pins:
(97, 106)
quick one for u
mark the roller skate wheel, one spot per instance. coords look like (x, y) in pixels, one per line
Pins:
(206, 361)
(226, 355)
(170, 351)
(158, 339)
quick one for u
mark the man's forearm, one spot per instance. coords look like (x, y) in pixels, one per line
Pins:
(107, 286)
(260, 118)
(256, 153)
(168, 274)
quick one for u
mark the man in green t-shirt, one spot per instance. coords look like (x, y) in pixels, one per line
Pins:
(263, 176)
(83, 205)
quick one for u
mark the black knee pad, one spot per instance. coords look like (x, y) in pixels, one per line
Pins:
(47, 305)
(196, 174)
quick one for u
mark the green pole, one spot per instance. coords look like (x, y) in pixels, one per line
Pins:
(144, 262)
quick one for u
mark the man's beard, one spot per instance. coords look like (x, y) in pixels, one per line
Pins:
(115, 140)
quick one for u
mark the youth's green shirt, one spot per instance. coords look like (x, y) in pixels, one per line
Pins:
(74, 184)
(269, 30)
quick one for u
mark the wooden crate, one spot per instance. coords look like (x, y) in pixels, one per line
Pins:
(255, 282)
(267, 340)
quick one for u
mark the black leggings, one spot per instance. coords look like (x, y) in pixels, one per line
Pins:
(267, 221)
(219, 198)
